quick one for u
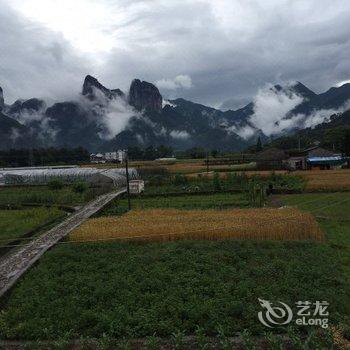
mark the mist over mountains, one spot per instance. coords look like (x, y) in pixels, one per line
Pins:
(105, 119)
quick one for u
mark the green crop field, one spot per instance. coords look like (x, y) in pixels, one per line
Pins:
(40, 195)
(136, 290)
(15, 223)
(132, 290)
(188, 202)
(333, 212)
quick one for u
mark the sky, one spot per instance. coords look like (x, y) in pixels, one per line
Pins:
(219, 53)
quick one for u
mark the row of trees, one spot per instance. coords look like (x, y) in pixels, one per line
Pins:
(43, 157)
(151, 153)
(336, 139)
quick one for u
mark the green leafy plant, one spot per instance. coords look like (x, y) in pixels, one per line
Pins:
(79, 187)
(248, 340)
(295, 339)
(55, 184)
(152, 343)
(124, 344)
(224, 341)
(275, 343)
(201, 339)
(178, 340)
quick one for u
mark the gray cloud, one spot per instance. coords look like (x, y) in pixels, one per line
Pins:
(229, 48)
(35, 62)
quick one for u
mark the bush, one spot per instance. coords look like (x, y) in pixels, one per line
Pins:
(55, 184)
(180, 180)
(216, 182)
(79, 187)
(157, 180)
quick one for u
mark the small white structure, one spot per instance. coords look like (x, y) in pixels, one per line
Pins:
(97, 158)
(121, 155)
(168, 159)
(136, 186)
(116, 156)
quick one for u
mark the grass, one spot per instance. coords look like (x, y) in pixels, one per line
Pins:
(335, 206)
(171, 224)
(333, 210)
(213, 201)
(136, 290)
(40, 195)
(15, 223)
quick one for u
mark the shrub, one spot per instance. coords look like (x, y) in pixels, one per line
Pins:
(216, 182)
(180, 180)
(79, 187)
(55, 184)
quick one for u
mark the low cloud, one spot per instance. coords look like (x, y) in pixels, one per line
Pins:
(179, 82)
(37, 122)
(323, 115)
(245, 132)
(114, 114)
(271, 107)
(180, 134)
(117, 117)
(27, 116)
(168, 103)
(272, 115)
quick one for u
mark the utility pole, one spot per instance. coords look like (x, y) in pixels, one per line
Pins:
(127, 180)
(207, 162)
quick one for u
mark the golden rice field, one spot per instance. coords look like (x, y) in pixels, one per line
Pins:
(326, 179)
(173, 224)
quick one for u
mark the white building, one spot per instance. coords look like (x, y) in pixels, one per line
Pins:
(116, 156)
(136, 186)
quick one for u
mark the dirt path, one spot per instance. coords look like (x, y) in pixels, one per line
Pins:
(15, 264)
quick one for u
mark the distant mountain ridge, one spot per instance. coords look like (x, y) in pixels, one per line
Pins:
(104, 119)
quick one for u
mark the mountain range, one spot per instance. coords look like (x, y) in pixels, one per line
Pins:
(103, 119)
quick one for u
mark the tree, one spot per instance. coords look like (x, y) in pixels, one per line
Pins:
(259, 145)
(214, 153)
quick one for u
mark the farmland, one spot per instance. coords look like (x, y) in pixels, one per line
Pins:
(168, 225)
(15, 223)
(333, 211)
(40, 195)
(218, 200)
(199, 261)
(136, 290)
(326, 180)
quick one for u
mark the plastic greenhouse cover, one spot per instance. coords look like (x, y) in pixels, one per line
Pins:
(67, 174)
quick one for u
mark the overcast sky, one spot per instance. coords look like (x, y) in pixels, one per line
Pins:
(213, 52)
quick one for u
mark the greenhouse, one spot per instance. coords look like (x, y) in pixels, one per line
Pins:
(42, 176)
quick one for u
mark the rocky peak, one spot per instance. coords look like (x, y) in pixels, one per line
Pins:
(91, 83)
(31, 105)
(2, 102)
(118, 92)
(145, 96)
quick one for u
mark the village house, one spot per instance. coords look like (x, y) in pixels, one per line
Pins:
(314, 158)
(310, 158)
(108, 157)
